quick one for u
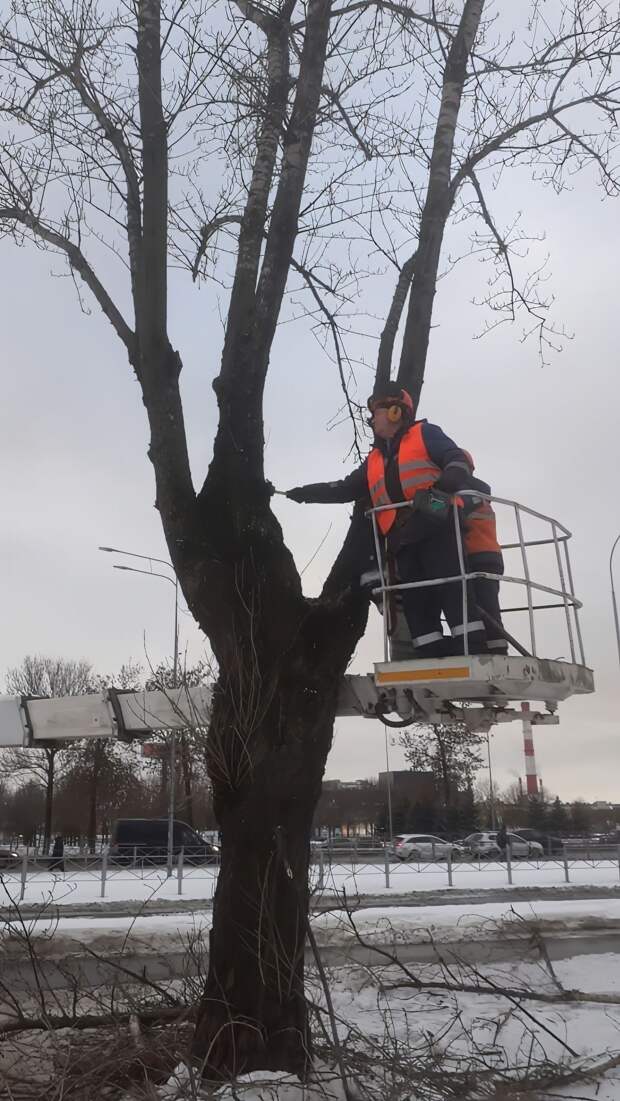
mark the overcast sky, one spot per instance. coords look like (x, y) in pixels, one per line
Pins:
(75, 474)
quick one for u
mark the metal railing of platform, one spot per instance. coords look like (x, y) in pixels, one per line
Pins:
(558, 538)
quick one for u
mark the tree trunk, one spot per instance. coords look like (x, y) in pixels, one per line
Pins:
(267, 751)
(445, 771)
(92, 800)
(92, 813)
(186, 769)
(49, 798)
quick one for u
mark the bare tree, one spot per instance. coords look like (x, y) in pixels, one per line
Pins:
(45, 677)
(192, 741)
(374, 117)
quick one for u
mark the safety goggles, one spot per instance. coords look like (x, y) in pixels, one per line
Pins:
(380, 405)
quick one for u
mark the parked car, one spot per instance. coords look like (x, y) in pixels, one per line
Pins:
(147, 839)
(550, 844)
(481, 845)
(485, 845)
(422, 846)
(610, 838)
(8, 857)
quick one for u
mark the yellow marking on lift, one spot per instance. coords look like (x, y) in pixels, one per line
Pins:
(459, 673)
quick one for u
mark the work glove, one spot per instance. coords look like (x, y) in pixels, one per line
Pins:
(297, 494)
(452, 479)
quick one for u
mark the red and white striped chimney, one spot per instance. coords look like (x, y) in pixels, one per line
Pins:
(531, 780)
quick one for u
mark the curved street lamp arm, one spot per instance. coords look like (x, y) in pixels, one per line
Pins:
(613, 594)
(132, 554)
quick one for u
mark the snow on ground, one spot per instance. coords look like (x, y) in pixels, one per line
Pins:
(409, 924)
(376, 925)
(126, 884)
(398, 1033)
(408, 1027)
(486, 1029)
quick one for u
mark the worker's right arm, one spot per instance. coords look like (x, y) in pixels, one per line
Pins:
(352, 488)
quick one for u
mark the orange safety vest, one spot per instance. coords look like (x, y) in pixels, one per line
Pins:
(481, 530)
(415, 470)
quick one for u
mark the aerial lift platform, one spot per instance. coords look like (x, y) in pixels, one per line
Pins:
(478, 691)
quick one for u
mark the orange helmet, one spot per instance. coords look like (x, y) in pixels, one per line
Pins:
(470, 459)
(391, 394)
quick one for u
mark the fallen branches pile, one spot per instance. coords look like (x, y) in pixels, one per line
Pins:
(383, 1030)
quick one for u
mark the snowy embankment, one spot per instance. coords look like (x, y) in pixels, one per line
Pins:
(406, 1032)
(377, 926)
(83, 887)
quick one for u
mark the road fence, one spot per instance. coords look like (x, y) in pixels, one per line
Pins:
(331, 871)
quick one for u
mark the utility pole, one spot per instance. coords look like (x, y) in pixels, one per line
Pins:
(491, 791)
(389, 784)
(175, 678)
(613, 594)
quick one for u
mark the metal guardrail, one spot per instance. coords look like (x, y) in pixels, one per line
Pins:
(558, 538)
(369, 870)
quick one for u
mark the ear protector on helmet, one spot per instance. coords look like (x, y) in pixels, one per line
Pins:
(394, 413)
(396, 401)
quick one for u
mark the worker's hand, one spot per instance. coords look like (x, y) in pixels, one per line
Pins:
(297, 494)
(452, 479)
(271, 489)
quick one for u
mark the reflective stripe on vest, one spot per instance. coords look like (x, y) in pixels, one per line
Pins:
(481, 530)
(415, 470)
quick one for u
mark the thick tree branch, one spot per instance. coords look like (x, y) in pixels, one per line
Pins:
(115, 137)
(504, 137)
(242, 299)
(153, 276)
(437, 204)
(405, 12)
(79, 264)
(160, 365)
(392, 321)
(207, 232)
(285, 214)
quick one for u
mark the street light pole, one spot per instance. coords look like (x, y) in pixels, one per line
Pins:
(175, 679)
(491, 792)
(389, 784)
(173, 736)
(613, 594)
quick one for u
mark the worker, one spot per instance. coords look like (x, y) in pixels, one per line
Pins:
(484, 554)
(409, 456)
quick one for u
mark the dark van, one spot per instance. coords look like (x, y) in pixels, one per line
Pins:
(146, 839)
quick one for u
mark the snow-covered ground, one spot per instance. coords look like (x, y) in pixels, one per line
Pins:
(389, 1033)
(377, 925)
(83, 887)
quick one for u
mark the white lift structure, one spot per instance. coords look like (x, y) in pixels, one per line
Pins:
(476, 690)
